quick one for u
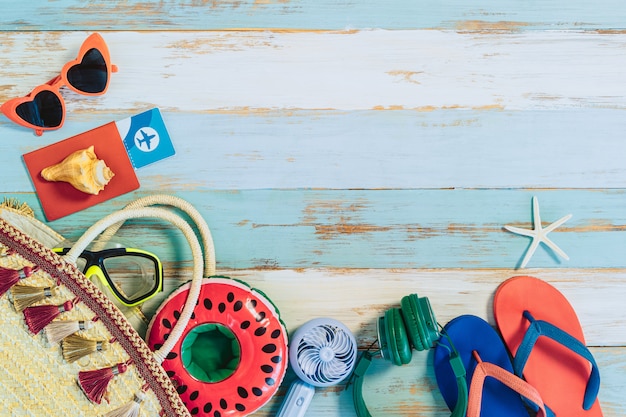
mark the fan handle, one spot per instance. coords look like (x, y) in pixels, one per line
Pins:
(297, 400)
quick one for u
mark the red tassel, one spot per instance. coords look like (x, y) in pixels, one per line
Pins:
(38, 317)
(10, 277)
(94, 383)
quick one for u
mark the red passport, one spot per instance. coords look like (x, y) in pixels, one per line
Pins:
(58, 199)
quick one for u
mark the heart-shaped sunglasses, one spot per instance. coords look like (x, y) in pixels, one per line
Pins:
(43, 108)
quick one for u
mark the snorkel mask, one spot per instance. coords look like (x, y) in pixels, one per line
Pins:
(132, 275)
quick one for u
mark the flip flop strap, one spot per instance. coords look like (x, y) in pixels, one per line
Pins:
(539, 328)
(484, 370)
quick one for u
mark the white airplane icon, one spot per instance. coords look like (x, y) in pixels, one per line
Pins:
(146, 139)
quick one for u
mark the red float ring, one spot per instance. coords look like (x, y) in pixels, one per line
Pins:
(261, 336)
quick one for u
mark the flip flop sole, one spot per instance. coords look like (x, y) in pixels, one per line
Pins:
(555, 371)
(468, 334)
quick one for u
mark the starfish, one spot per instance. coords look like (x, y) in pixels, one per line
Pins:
(539, 234)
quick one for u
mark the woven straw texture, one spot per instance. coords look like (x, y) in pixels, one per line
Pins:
(37, 381)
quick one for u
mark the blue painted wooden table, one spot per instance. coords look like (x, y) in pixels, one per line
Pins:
(346, 154)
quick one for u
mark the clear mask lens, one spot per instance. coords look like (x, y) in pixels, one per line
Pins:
(132, 276)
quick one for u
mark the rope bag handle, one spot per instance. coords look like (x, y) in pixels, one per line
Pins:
(184, 206)
(120, 217)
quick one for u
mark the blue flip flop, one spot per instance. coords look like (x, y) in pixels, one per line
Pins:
(494, 390)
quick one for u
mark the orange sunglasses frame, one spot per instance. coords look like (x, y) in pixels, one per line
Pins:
(94, 41)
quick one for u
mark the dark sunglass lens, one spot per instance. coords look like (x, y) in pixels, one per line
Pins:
(91, 74)
(44, 111)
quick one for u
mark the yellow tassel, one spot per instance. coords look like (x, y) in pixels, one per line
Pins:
(27, 295)
(75, 347)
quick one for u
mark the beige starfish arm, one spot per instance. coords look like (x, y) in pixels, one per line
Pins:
(529, 253)
(555, 248)
(557, 223)
(520, 231)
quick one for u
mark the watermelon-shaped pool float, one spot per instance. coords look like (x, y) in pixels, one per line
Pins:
(231, 358)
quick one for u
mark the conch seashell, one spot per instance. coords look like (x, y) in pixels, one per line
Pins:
(82, 169)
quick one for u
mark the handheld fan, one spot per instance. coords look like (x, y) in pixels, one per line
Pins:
(322, 352)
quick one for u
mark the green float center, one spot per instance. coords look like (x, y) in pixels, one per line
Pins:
(211, 352)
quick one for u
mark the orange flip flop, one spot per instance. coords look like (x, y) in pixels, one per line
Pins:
(542, 332)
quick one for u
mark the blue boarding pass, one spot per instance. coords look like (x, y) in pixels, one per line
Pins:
(145, 138)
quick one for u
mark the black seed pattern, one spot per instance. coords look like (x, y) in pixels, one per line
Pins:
(243, 393)
(244, 324)
(260, 331)
(261, 316)
(176, 314)
(277, 359)
(238, 305)
(171, 355)
(268, 369)
(181, 389)
(240, 407)
(223, 404)
(270, 381)
(217, 414)
(157, 346)
(221, 307)
(269, 348)
(208, 304)
(208, 407)
(167, 323)
(275, 334)
(194, 395)
(230, 297)
(257, 391)
(194, 411)
(193, 315)
(171, 373)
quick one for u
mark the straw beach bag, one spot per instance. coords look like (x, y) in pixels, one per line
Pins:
(118, 373)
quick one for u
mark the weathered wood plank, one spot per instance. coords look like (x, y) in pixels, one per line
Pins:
(352, 70)
(483, 15)
(446, 148)
(357, 297)
(386, 228)
(596, 294)
(436, 145)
